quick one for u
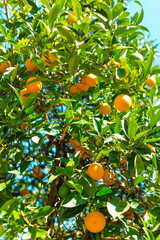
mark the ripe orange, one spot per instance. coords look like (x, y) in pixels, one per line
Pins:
(30, 66)
(95, 171)
(151, 82)
(138, 103)
(25, 192)
(4, 66)
(105, 108)
(122, 102)
(110, 177)
(95, 222)
(123, 160)
(33, 87)
(81, 86)
(70, 19)
(74, 90)
(24, 126)
(74, 143)
(37, 173)
(129, 214)
(84, 152)
(24, 92)
(91, 80)
(48, 58)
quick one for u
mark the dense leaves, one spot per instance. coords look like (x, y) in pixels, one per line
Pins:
(105, 40)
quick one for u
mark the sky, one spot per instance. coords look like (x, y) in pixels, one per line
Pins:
(151, 18)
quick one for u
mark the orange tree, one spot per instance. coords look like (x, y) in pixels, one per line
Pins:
(78, 86)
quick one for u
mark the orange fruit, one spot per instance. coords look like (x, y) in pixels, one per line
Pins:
(25, 192)
(70, 19)
(138, 103)
(105, 108)
(84, 152)
(4, 66)
(48, 58)
(123, 160)
(95, 222)
(76, 118)
(122, 102)
(24, 92)
(73, 90)
(24, 126)
(110, 177)
(91, 80)
(129, 214)
(151, 82)
(81, 86)
(30, 66)
(95, 171)
(37, 173)
(74, 143)
(33, 87)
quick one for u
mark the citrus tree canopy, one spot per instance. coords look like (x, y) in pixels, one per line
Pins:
(79, 122)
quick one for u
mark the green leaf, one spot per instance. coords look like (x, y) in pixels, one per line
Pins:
(148, 64)
(132, 128)
(131, 160)
(72, 212)
(139, 165)
(138, 180)
(103, 191)
(73, 63)
(114, 157)
(117, 10)
(111, 230)
(158, 238)
(124, 31)
(66, 33)
(34, 233)
(46, 3)
(141, 134)
(107, 9)
(74, 200)
(89, 185)
(77, 9)
(149, 234)
(43, 211)
(97, 126)
(55, 11)
(117, 207)
(2, 186)
(155, 119)
(17, 93)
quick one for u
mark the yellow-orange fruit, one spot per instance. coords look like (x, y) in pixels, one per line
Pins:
(122, 102)
(81, 86)
(138, 103)
(95, 222)
(129, 214)
(4, 66)
(76, 118)
(25, 192)
(151, 82)
(91, 80)
(73, 90)
(95, 171)
(48, 58)
(37, 173)
(84, 152)
(123, 160)
(110, 177)
(33, 87)
(74, 143)
(24, 126)
(70, 19)
(30, 66)
(24, 92)
(105, 108)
